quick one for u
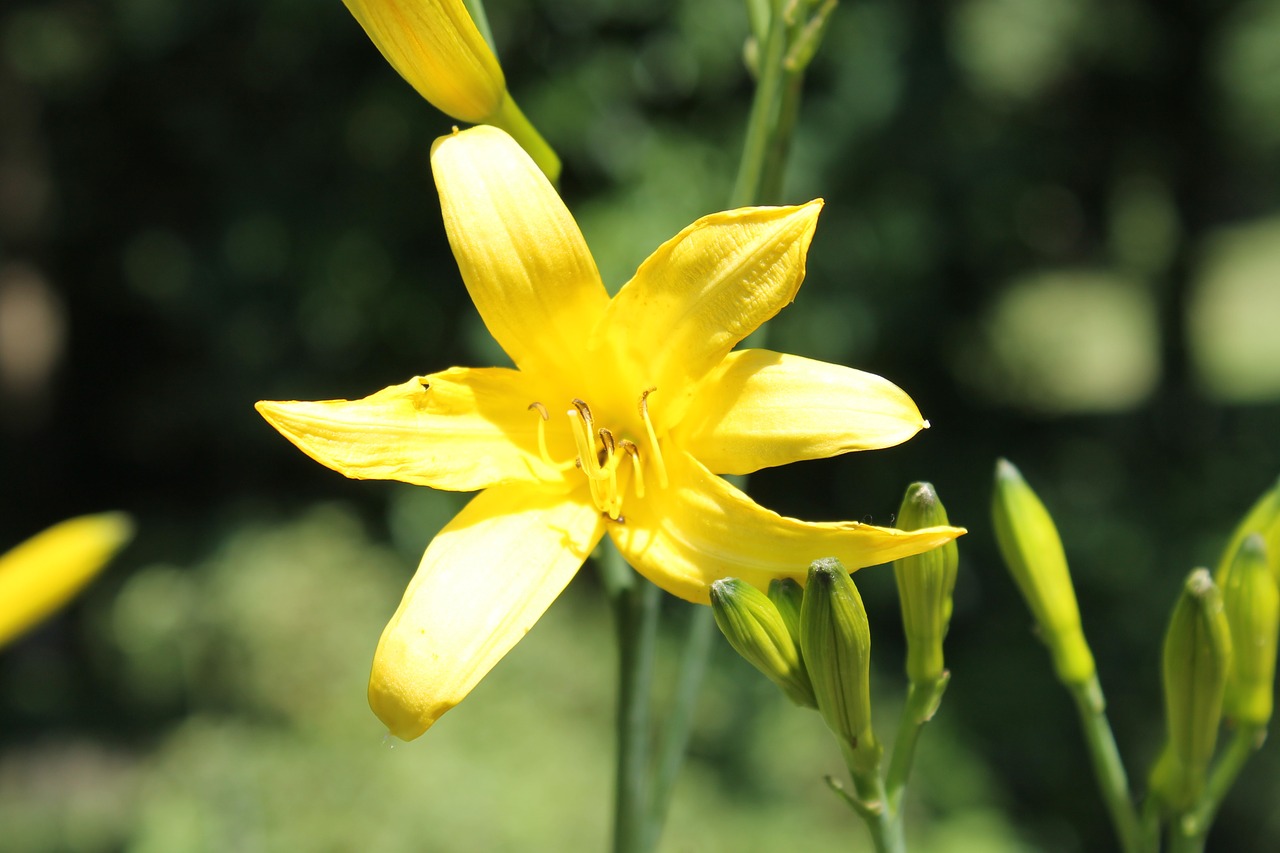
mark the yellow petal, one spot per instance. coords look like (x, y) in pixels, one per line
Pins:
(703, 291)
(462, 429)
(700, 529)
(483, 582)
(436, 47)
(41, 574)
(760, 408)
(521, 255)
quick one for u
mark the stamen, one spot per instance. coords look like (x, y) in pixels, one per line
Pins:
(542, 430)
(629, 447)
(583, 438)
(653, 438)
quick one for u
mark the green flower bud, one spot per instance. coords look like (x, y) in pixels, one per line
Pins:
(1262, 518)
(756, 630)
(1251, 601)
(836, 641)
(1033, 552)
(1197, 655)
(925, 582)
(787, 596)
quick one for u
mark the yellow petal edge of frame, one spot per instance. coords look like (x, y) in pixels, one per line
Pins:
(41, 574)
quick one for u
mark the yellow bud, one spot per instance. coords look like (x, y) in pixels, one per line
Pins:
(435, 46)
(41, 574)
(1197, 655)
(836, 641)
(925, 583)
(1033, 552)
(756, 630)
(1252, 604)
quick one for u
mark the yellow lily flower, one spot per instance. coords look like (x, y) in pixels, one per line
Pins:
(617, 419)
(41, 574)
(439, 51)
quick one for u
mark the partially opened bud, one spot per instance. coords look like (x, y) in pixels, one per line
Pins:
(42, 573)
(752, 625)
(1197, 655)
(1033, 552)
(925, 583)
(836, 641)
(1251, 601)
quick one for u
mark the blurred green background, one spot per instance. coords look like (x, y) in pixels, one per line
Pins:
(1056, 223)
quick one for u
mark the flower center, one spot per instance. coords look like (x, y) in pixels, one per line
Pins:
(604, 455)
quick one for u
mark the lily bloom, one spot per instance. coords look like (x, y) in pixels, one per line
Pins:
(618, 417)
(41, 574)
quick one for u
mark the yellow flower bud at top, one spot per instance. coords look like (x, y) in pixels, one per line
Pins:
(1262, 518)
(1197, 655)
(439, 51)
(1033, 552)
(835, 639)
(925, 583)
(1251, 601)
(436, 47)
(752, 625)
(41, 574)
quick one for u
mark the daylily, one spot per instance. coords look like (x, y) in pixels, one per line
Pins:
(39, 575)
(437, 48)
(617, 418)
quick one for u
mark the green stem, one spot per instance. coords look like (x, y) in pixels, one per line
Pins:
(1244, 743)
(922, 704)
(679, 722)
(873, 805)
(1107, 767)
(761, 164)
(509, 117)
(637, 622)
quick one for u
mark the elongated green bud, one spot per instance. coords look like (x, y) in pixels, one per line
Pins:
(756, 630)
(925, 583)
(836, 641)
(1251, 601)
(1197, 655)
(1262, 518)
(787, 596)
(1033, 552)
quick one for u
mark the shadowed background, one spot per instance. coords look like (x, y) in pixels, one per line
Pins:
(1056, 224)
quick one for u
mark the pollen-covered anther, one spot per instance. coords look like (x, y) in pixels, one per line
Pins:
(653, 437)
(629, 447)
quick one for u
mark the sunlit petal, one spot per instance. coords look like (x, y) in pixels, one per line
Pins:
(760, 408)
(700, 529)
(436, 47)
(521, 255)
(483, 582)
(462, 429)
(703, 291)
(42, 573)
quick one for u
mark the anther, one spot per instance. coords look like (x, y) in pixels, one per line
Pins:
(629, 448)
(535, 406)
(584, 410)
(653, 438)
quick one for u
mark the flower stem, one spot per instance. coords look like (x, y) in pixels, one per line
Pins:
(636, 606)
(1190, 830)
(922, 703)
(1113, 784)
(773, 113)
(872, 804)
